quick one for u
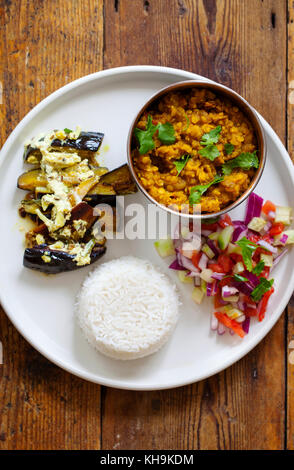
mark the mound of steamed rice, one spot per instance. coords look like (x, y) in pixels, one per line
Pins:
(127, 308)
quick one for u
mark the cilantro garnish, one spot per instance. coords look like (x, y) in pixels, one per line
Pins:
(245, 160)
(209, 140)
(263, 286)
(229, 148)
(188, 123)
(67, 131)
(239, 278)
(181, 163)
(197, 191)
(211, 137)
(145, 137)
(258, 268)
(248, 248)
(166, 133)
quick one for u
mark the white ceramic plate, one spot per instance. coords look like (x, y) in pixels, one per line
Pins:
(41, 307)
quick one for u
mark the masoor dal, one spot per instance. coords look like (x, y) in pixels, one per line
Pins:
(193, 114)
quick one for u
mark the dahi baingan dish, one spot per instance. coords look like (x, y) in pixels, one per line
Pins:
(195, 147)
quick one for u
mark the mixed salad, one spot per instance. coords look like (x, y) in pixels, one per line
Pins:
(232, 262)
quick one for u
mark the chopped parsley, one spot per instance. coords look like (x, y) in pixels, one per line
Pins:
(188, 123)
(181, 163)
(258, 268)
(67, 131)
(245, 160)
(239, 278)
(248, 248)
(229, 148)
(197, 191)
(263, 286)
(166, 135)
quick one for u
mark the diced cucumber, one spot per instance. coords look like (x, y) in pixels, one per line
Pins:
(197, 295)
(290, 238)
(185, 232)
(206, 275)
(164, 247)
(233, 312)
(267, 259)
(257, 224)
(208, 251)
(283, 214)
(238, 268)
(184, 278)
(203, 286)
(225, 237)
(231, 298)
(234, 249)
(214, 236)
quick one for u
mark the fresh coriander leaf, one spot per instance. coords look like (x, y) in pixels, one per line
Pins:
(197, 191)
(67, 131)
(258, 268)
(181, 163)
(210, 151)
(263, 286)
(211, 220)
(248, 248)
(229, 148)
(239, 278)
(245, 160)
(212, 136)
(145, 138)
(166, 133)
(188, 123)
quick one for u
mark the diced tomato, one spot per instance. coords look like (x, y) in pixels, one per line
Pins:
(225, 221)
(154, 122)
(236, 257)
(265, 272)
(263, 304)
(257, 253)
(277, 229)
(225, 262)
(268, 207)
(250, 312)
(247, 299)
(267, 238)
(254, 238)
(218, 301)
(216, 268)
(229, 323)
(195, 258)
(225, 282)
(213, 227)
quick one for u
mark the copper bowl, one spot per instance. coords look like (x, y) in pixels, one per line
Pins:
(236, 99)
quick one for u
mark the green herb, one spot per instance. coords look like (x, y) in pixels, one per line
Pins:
(211, 152)
(166, 133)
(67, 131)
(145, 138)
(229, 148)
(197, 191)
(211, 220)
(263, 286)
(244, 160)
(181, 163)
(211, 137)
(188, 123)
(258, 268)
(239, 278)
(248, 248)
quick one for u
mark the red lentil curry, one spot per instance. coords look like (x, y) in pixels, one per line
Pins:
(194, 147)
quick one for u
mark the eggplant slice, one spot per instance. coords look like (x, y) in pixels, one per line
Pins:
(60, 260)
(87, 144)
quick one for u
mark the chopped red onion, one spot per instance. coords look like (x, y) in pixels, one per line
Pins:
(202, 264)
(246, 325)
(241, 305)
(211, 288)
(271, 215)
(244, 287)
(254, 207)
(206, 232)
(231, 332)
(212, 246)
(267, 246)
(279, 257)
(218, 276)
(197, 281)
(283, 238)
(213, 322)
(267, 227)
(186, 263)
(252, 278)
(221, 329)
(227, 291)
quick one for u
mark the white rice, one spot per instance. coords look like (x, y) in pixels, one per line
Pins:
(127, 308)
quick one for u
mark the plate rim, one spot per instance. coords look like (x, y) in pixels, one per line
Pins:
(117, 383)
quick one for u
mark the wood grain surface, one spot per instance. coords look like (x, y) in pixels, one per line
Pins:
(247, 45)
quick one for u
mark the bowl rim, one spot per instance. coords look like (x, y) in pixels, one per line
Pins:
(249, 112)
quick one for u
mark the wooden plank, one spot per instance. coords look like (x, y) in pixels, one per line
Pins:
(44, 45)
(290, 310)
(243, 45)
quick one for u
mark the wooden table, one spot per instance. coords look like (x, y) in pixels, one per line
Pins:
(247, 45)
